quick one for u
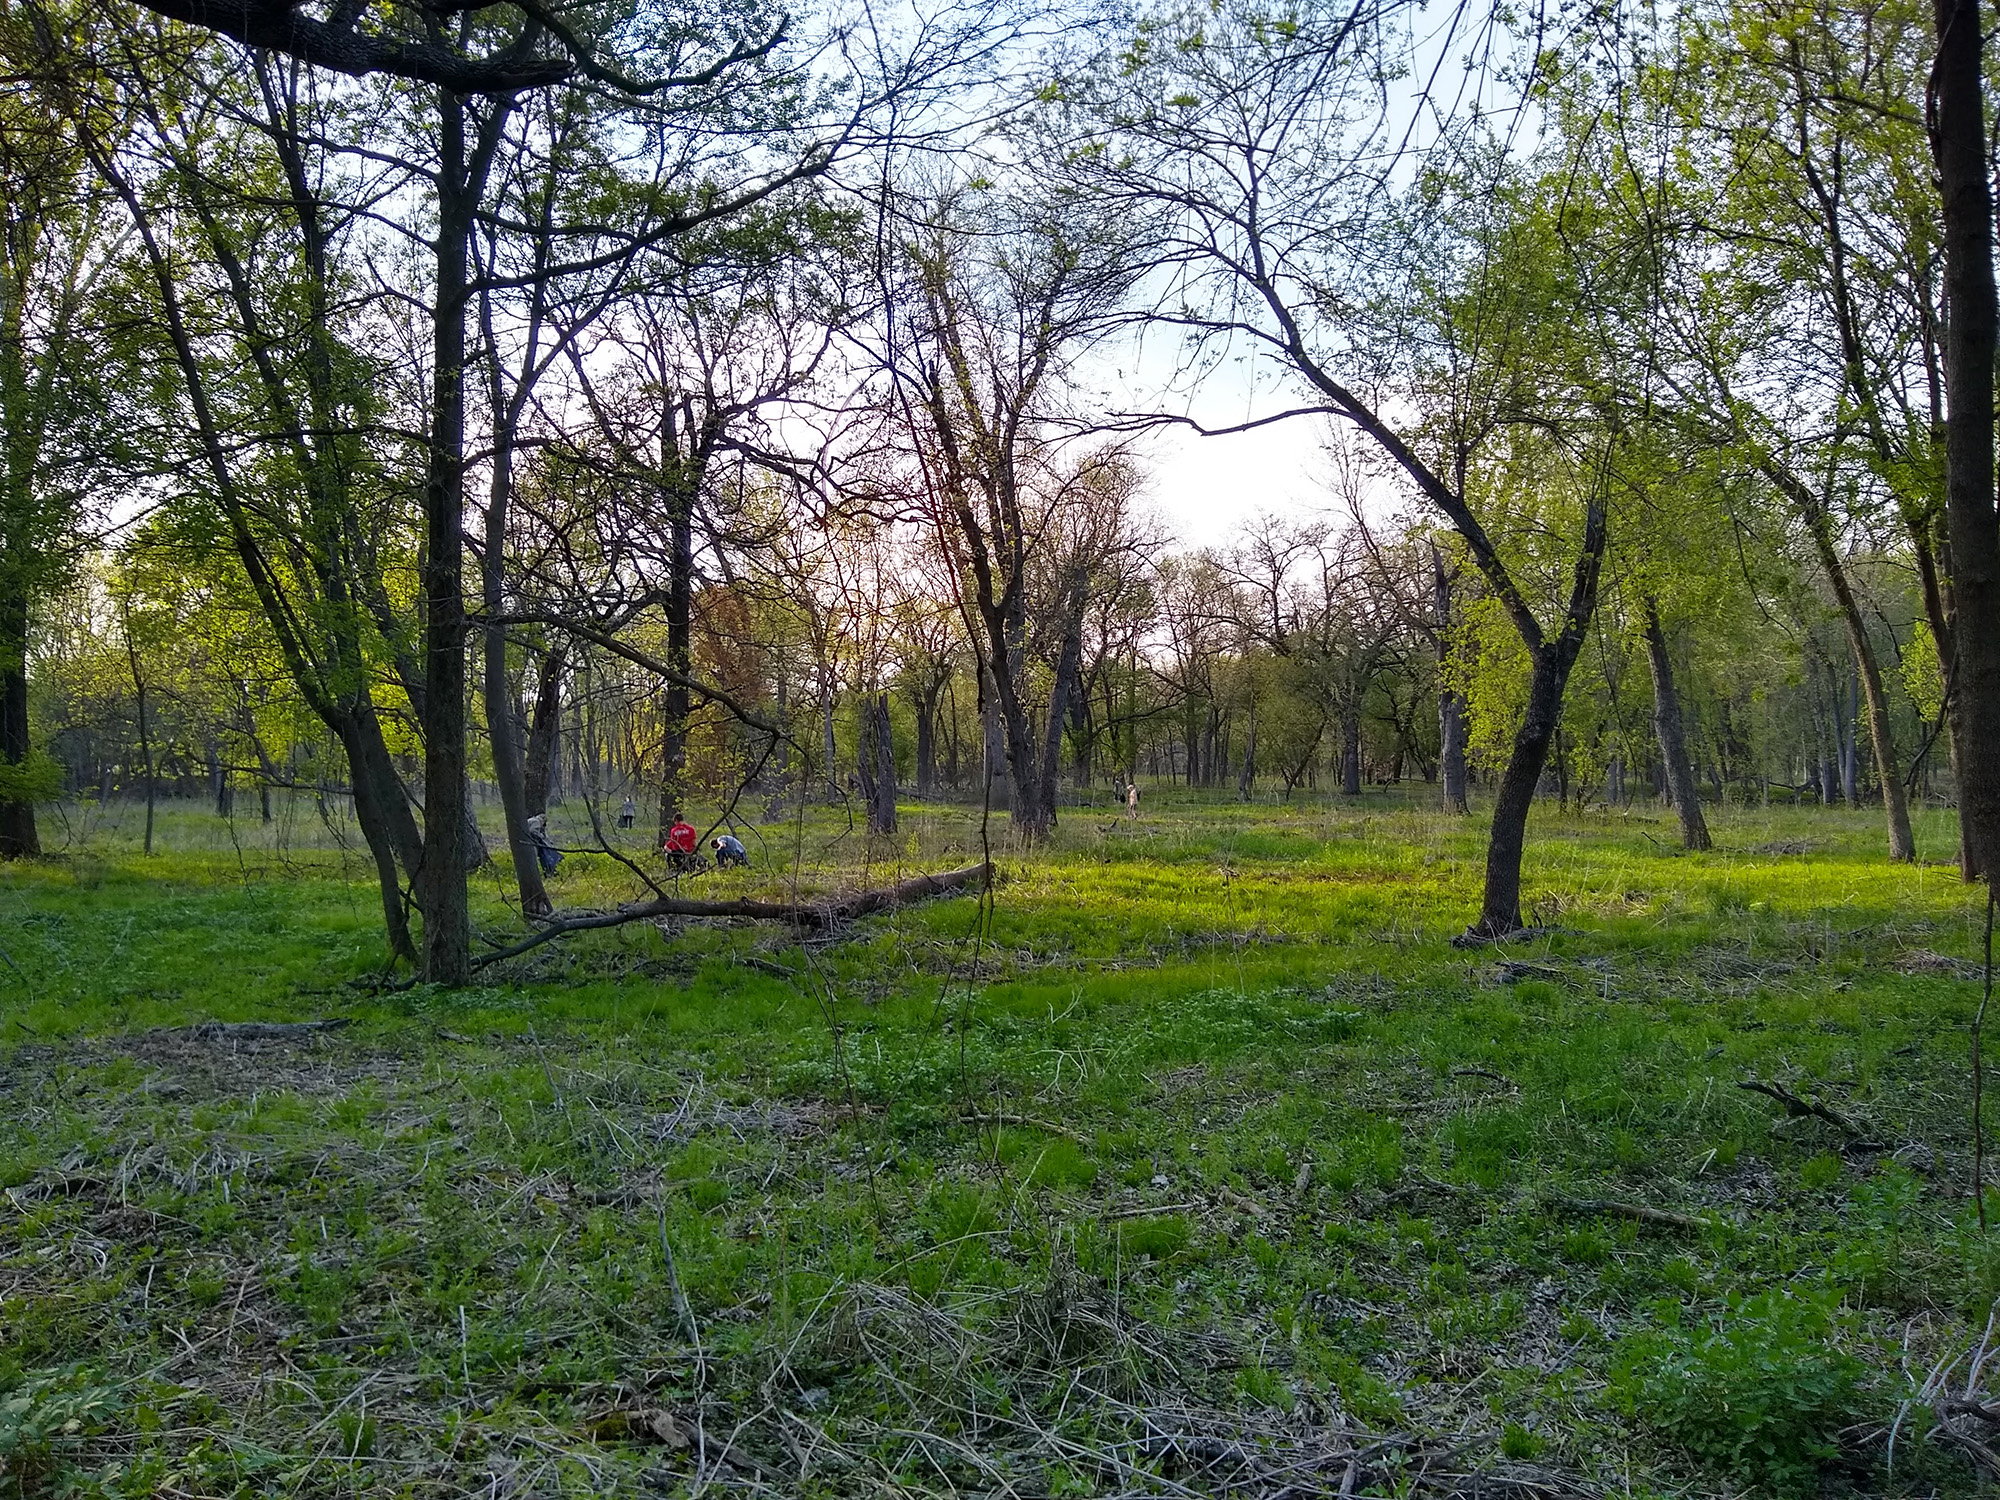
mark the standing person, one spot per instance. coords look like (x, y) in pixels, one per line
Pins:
(1132, 800)
(629, 813)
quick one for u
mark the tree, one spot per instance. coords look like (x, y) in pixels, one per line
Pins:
(1957, 118)
(1252, 149)
(57, 255)
(995, 300)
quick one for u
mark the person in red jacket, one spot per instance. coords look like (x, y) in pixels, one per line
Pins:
(679, 848)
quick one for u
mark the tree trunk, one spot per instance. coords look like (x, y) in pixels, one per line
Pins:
(1500, 908)
(442, 886)
(1247, 782)
(1451, 704)
(1500, 911)
(876, 761)
(993, 764)
(1673, 743)
(676, 703)
(1850, 765)
(145, 737)
(831, 753)
(544, 758)
(1350, 752)
(509, 769)
(1895, 807)
(1069, 664)
(19, 837)
(379, 805)
(1958, 141)
(926, 704)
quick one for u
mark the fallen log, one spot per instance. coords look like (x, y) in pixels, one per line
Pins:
(822, 913)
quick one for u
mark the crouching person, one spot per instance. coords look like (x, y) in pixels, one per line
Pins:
(729, 850)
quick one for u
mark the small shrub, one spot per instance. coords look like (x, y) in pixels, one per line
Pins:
(1517, 1442)
(1758, 1396)
(1821, 1173)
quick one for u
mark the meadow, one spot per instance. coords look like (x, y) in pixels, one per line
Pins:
(1198, 1161)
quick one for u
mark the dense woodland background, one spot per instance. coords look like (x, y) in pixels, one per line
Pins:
(711, 407)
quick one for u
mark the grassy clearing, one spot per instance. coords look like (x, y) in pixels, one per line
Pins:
(1210, 1167)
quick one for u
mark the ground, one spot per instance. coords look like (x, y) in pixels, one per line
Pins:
(1202, 1164)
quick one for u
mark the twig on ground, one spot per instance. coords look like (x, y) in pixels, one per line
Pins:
(1798, 1108)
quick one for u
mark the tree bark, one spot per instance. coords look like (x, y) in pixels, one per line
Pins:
(19, 838)
(676, 704)
(1958, 142)
(999, 792)
(1668, 730)
(145, 736)
(544, 758)
(1451, 705)
(447, 955)
(1069, 666)
(926, 704)
(876, 762)
(1350, 752)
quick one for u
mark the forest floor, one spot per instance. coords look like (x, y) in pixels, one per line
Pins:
(1205, 1165)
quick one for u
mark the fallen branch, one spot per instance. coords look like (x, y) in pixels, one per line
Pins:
(819, 914)
(1797, 1108)
(254, 1031)
(1500, 1078)
(1644, 1213)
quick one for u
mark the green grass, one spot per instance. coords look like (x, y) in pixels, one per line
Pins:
(1213, 1120)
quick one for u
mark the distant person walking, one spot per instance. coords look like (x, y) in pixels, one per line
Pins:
(1132, 800)
(628, 814)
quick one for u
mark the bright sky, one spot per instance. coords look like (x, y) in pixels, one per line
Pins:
(1206, 488)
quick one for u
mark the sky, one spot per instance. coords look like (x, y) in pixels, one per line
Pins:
(1206, 488)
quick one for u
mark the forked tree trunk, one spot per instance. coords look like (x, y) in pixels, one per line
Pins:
(1667, 728)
